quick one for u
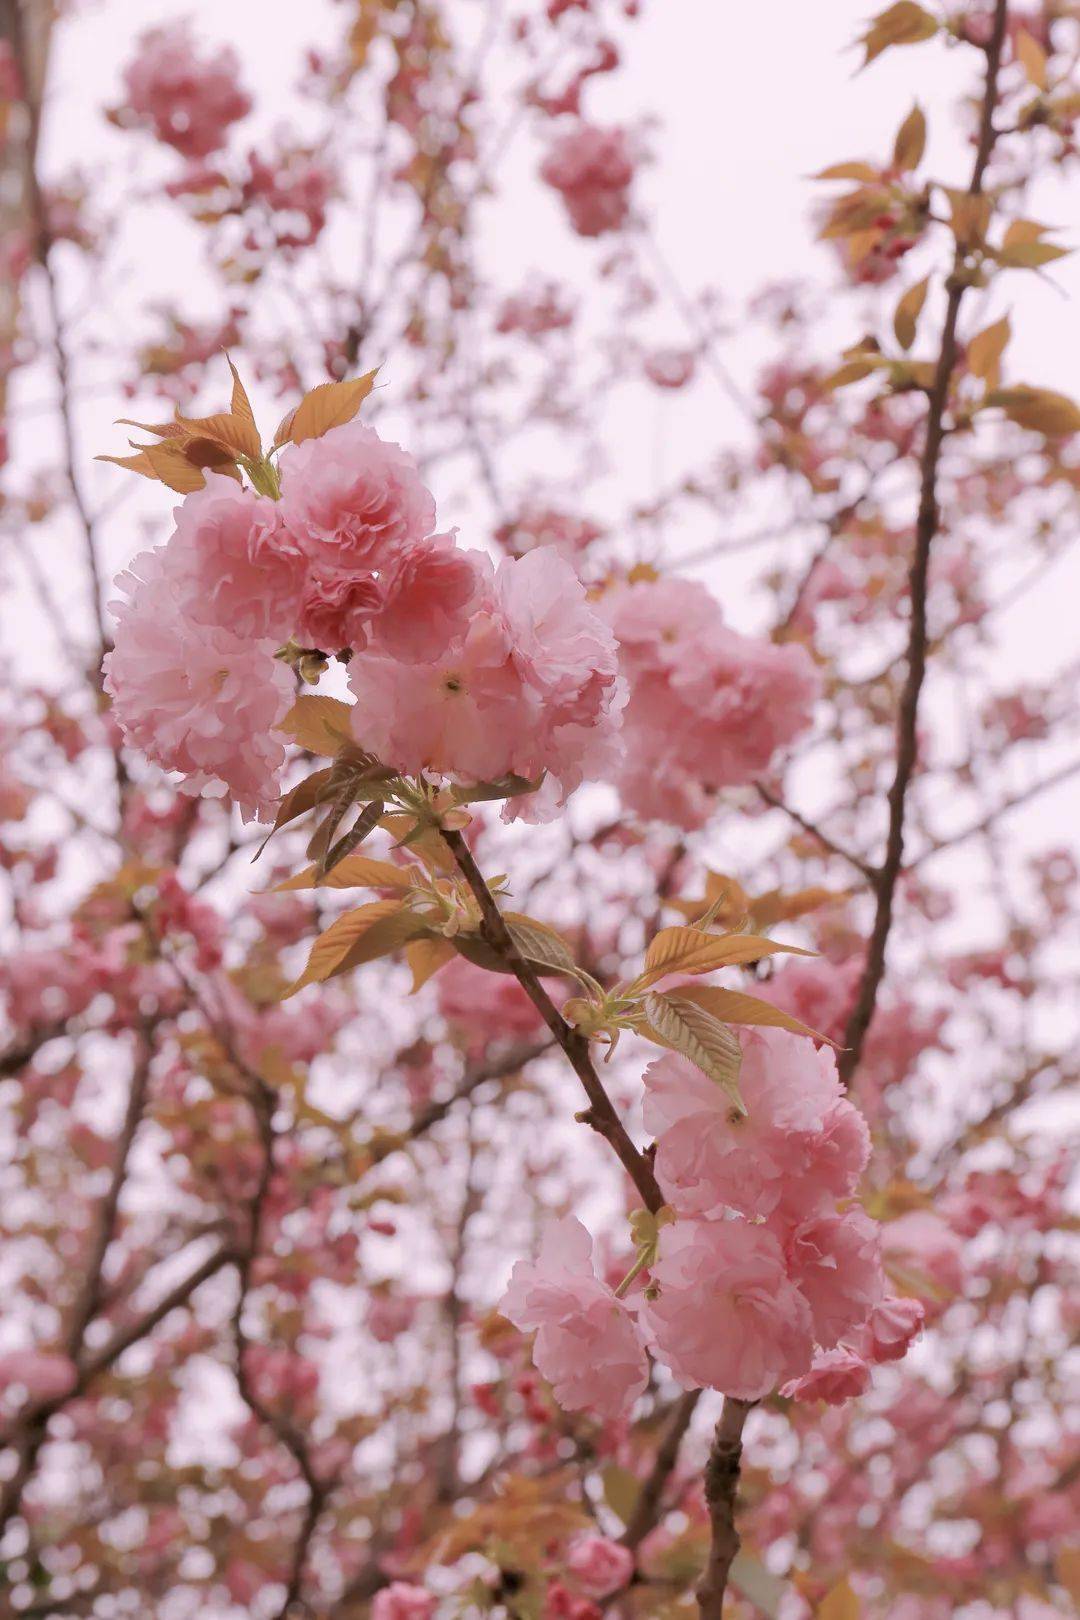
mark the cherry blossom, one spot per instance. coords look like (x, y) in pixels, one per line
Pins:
(587, 1343)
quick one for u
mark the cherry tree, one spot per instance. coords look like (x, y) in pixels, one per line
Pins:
(538, 1003)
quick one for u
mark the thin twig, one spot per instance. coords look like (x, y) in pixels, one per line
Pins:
(601, 1113)
(926, 527)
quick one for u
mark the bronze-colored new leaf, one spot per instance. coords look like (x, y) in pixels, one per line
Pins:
(325, 407)
(683, 1026)
(904, 23)
(736, 1007)
(319, 724)
(1039, 409)
(690, 950)
(910, 141)
(354, 872)
(908, 310)
(359, 936)
(985, 350)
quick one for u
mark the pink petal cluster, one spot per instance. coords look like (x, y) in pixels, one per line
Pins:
(403, 1601)
(458, 669)
(232, 562)
(708, 707)
(592, 169)
(196, 697)
(484, 1006)
(188, 100)
(761, 1245)
(588, 1345)
(727, 1315)
(528, 683)
(600, 1566)
(351, 500)
(799, 1129)
(816, 991)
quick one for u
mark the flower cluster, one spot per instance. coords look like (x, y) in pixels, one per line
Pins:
(592, 169)
(187, 100)
(459, 668)
(762, 1280)
(708, 707)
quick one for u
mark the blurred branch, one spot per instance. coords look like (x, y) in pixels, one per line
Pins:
(926, 527)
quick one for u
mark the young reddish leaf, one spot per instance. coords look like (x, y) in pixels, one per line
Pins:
(359, 936)
(354, 872)
(236, 433)
(1032, 58)
(540, 944)
(985, 350)
(840, 1603)
(297, 802)
(425, 957)
(690, 950)
(904, 23)
(970, 217)
(863, 172)
(1029, 255)
(240, 405)
(775, 906)
(683, 1026)
(735, 1007)
(140, 463)
(174, 469)
(853, 371)
(319, 724)
(323, 408)
(908, 310)
(910, 141)
(1039, 409)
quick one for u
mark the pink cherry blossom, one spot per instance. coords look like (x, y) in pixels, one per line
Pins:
(708, 708)
(601, 1566)
(709, 1156)
(728, 1316)
(835, 1261)
(402, 1601)
(922, 1244)
(835, 1376)
(353, 500)
(484, 1006)
(587, 1342)
(188, 99)
(669, 368)
(426, 589)
(196, 698)
(529, 686)
(889, 1329)
(816, 991)
(336, 610)
(592, 169)
(233, 563)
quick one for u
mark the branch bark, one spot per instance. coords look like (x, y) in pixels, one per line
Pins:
(601, 1113)
(721, 1488)
(927, 523)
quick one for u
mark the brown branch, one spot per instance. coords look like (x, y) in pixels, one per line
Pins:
(261, 1098)
(647, 1508)
(926, 527)
(721, 1485)
(601, 1113)
(1064, 774)
(870, 873)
